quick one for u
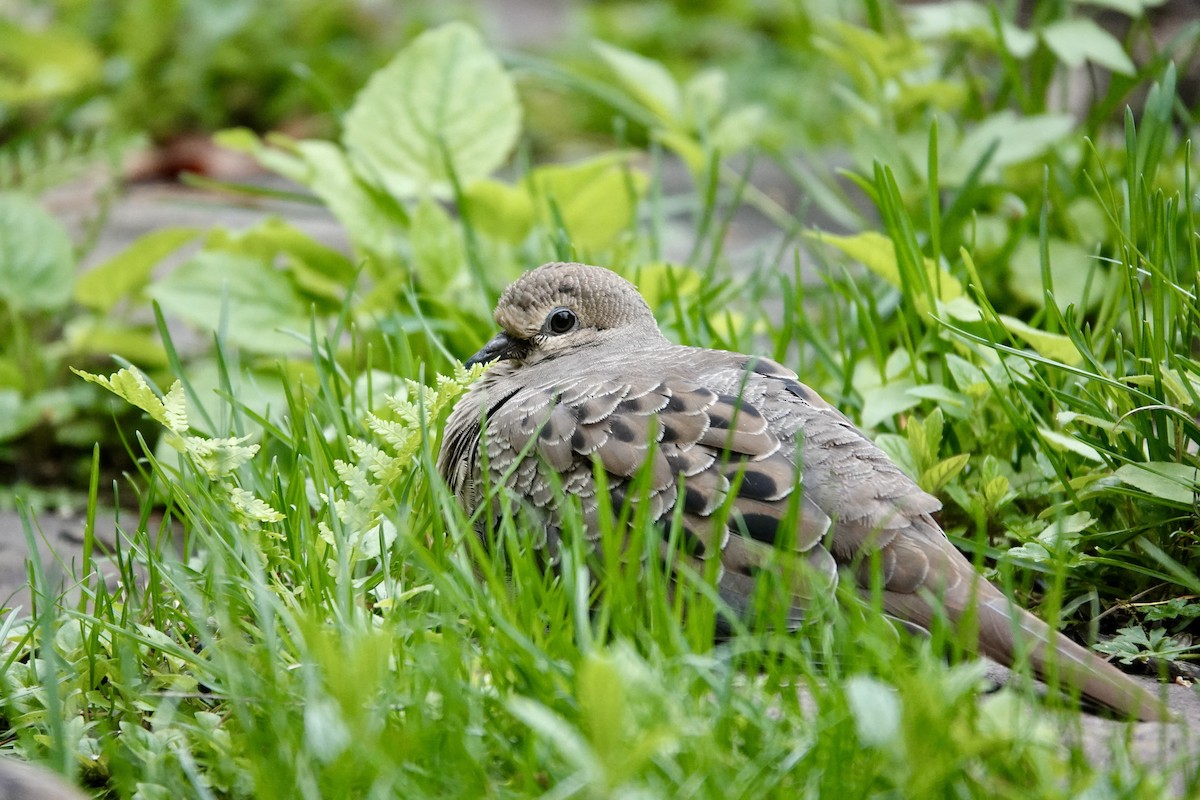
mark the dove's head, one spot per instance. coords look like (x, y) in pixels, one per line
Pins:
(564, 307)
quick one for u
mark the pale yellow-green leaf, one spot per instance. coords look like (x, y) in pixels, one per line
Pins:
(175, 409)
(739, 129)
(218, 457)
(686, 147)
(1081, 39)
(1166, 480)
(1070, 269)
(660, 281)
(252, 507)
(595, 199)
(1051, 345)
(438, 250)
(877, 253)
(876, 710)
(704, 96)
(129, 385)
(936, 477)
(499, 210)
(646, 79)
(995, 490)
(126, 273)
(1061, 441)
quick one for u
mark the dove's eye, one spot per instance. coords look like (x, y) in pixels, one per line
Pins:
(561, 320)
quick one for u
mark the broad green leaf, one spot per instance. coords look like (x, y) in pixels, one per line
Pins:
(876, 710)
(1062, 441)
(439, 253)
(604, 706)
(884, 402)
(1050, 345)
(971, 21)
(595, 199)
(372, 229)
(255, 298)
(925, 437)
(934, 479)
(647, 80)
(1017, 139)
(704, 97)
(501, 211)
(104, 336)
(659, 282)
(1018, 41)
(877, 252)
(320, 271)
(37, 264)
(899, 451)
(1070, 266)
(444, 98)
(16, 415)
(948, 400)
(1166, 480)
(325, 170)
(967, 377)
(40, 65)
(1077, 40)
(739, 129)
(128, 272)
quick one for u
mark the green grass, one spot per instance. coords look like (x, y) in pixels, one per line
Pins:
(333, 627)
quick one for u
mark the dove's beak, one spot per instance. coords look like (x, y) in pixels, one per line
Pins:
(499, 347)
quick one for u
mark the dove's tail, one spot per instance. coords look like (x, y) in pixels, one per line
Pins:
(1008, 633)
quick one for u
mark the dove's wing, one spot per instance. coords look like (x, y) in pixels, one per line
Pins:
(879, 513)
(663, 441)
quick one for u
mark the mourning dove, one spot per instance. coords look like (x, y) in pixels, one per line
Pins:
(760, 462)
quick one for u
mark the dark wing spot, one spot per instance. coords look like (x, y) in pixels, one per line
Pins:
(718, 421)
(578, 440)
(691, 543)
(749, 411)
(621, 430)
(760, 527)
(633, 406)
(799, 389)
(739, 405)
(676, 403)
(757, 485)
(694, 500)
(546, 433)
(618, 496)
(669, 433)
